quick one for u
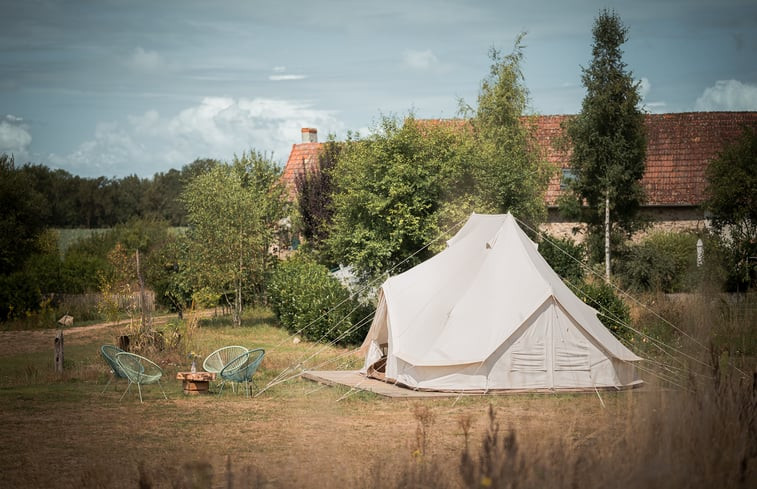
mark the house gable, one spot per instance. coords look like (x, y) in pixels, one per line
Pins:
(303, 158)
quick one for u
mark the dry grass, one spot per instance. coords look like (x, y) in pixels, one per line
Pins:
(59, 432)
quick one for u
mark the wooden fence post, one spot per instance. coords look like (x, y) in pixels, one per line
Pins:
(59, 351)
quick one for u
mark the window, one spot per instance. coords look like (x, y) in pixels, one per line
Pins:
(567, 176)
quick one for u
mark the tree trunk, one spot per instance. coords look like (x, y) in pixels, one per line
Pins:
(58, 343)
(607, 236)
(238, 298)
(142, 296)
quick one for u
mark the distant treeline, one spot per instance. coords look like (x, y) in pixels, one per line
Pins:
(63, 200)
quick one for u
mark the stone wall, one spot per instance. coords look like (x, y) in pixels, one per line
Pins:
(676, 219)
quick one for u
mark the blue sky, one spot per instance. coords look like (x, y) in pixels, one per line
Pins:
(108, 87)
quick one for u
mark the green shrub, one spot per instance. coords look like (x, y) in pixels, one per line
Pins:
(613, 312)
(19, 295)
(662, 262)
(565, 256)
(309, 301)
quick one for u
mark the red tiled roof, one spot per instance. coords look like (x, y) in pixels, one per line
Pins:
(303, 156)
(679, 147)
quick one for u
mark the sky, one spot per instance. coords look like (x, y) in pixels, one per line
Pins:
(114, 87)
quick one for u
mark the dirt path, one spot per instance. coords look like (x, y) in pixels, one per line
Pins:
(15, 342)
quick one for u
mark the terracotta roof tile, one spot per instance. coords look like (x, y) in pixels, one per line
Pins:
(679, 146)
(303, 156)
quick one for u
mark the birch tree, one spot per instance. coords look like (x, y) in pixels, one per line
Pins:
(608, 141)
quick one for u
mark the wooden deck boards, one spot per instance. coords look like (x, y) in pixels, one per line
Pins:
(355, 380)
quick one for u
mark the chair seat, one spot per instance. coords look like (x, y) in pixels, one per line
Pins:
(108, 353)
(242, 368)
(139, 370)
(216, 361)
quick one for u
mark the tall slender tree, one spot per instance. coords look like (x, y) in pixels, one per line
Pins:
(233, 211)
(609, 141)
(509, 173)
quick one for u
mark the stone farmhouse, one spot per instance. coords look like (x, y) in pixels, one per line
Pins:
(679, 148)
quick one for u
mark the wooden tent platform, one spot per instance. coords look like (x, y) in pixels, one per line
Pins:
(355, 380)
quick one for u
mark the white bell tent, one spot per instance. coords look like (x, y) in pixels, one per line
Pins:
(489, 313)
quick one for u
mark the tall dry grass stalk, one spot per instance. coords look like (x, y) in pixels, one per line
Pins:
(700, 432)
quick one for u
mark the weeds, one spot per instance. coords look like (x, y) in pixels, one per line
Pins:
(424, 418)
(701, 435)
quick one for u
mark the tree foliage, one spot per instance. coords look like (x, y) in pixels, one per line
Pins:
(508, 171)
(612, 311)
(22, 216)
(314, 194)
(732, 200)
(608, 137)
(565, 256)
(388, 189)
(62, 200)
(233, 211)
(663, 261)
(398, 189)
(309, 301)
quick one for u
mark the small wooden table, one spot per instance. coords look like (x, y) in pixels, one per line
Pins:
(195, 383)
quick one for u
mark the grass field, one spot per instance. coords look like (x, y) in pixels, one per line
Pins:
(60, 431)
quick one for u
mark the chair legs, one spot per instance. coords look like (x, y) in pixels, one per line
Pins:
(161, 390)
(106, 385)
(112, 379)
(233, 387)
(127, 390)
(247, 389)
(139, 388)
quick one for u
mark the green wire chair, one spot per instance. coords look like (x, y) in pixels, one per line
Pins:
(228, 355)
(139, 370)
(242, 369)
(216, 361)
(109, 352)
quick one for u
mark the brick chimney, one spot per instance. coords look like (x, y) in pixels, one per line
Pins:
(309, 135)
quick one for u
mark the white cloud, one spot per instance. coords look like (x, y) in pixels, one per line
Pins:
(281, 76)
(420, 60)
(286, 77)
(218, 127)
(728, 95)
(645, 87)
(15, 137)
(142, 60)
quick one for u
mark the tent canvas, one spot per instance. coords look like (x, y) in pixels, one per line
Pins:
(489, 313)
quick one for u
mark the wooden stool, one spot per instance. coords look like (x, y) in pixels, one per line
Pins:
(195, 383)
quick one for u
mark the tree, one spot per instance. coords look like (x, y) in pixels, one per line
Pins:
(161, 198)
(58, 187)
(23, 212)
(398, 189)
(233, 211)
(732, 200)
(314, 191)
(388, 189)
(167, 275)
(608, 141)
(508, 171)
